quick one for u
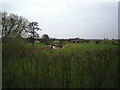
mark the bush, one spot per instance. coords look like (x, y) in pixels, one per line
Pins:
(13, 48)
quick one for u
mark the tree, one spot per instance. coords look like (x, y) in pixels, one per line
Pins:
(13, 25)
(45, 39)
(34, 28)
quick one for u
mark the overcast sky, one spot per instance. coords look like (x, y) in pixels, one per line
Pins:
(93, 19)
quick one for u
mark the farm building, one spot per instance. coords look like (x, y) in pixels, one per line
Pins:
(76, 40)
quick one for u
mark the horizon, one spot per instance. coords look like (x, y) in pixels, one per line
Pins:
(82, 38)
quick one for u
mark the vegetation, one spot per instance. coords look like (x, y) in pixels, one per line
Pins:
(14, 26)
(85, 65)
(76, 66)
(45, 39)
(13, 48)
(34, 27)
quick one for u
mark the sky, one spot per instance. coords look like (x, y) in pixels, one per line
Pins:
(88, 19)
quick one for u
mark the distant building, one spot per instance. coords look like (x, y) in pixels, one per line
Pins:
(76, 40)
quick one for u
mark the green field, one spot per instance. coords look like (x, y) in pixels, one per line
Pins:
(84, 46)
(37, 45)
(75, 66)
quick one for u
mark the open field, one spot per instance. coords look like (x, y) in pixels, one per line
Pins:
(37, 45)
(75, 66)
(85, 46)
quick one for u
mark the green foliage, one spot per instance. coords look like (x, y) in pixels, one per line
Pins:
(45, 39)
(56, 42)
(77, 66)
(13, 48)
(30, 39)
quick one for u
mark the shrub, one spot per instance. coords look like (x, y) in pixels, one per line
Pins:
(13, 48)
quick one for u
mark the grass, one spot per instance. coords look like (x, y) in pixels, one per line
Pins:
(76, 66)
(83, 47)
(36, 45)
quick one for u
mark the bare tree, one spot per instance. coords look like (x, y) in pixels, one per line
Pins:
(13, 25)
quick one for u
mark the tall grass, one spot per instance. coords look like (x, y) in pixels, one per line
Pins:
(13, 48)
(65, 68)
